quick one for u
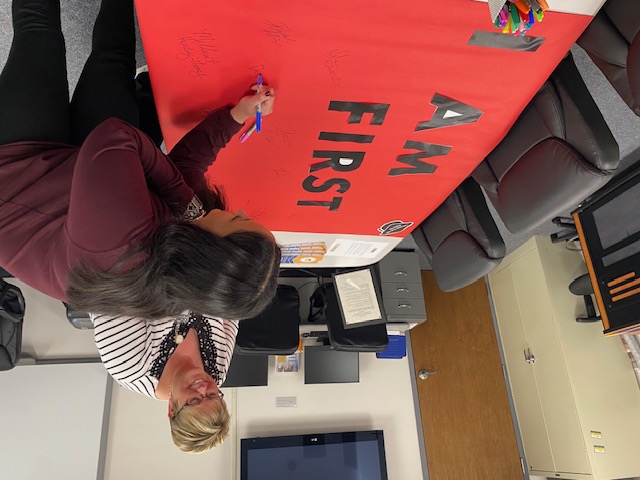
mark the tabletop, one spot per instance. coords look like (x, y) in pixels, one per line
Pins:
(382, 108)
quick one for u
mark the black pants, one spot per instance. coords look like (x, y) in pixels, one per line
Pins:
(34, 92)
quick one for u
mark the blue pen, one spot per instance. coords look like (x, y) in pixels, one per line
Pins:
(259, 112)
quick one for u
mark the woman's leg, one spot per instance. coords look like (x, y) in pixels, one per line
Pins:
(149, 122)
(34, 93)
(106, 87)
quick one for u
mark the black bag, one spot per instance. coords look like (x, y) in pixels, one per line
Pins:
(276, 331)
(12, 309)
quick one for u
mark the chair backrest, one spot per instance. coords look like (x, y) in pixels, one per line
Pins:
(12, 310)
(558, 152)
(612, 40)
(460, 239)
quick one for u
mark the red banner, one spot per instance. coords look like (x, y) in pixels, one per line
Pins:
(382, 108)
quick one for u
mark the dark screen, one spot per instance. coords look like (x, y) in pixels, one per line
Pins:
(247, 371)
(324, 365)
(341, 461)
(618, 219)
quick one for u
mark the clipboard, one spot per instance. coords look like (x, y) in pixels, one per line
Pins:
(359, 297)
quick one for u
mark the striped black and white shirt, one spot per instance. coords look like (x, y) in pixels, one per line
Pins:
(135, 351)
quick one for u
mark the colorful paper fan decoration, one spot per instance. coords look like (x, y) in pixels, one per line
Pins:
(517, 16)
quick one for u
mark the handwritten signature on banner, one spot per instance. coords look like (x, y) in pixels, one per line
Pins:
(199, 50)
(279, 135)
(256, 69)
(331, 64)
(278, 32)
(281, 172)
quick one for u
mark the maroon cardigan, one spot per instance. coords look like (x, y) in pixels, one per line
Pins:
(61, 205)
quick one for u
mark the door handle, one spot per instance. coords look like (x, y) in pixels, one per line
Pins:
(424, 374)
(529, 357)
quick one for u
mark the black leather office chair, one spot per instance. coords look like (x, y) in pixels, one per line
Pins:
(12, 310)
(559, 151)
(460, 239)
(276, 331)
(581, 286)
(370, 338)
(612, 40)
(79, 319)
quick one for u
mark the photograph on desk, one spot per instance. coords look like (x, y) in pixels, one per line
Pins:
(288, 363)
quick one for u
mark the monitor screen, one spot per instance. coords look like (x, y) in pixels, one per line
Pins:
(322, 364)
(247, 371)
(329, 456)
(618, 218)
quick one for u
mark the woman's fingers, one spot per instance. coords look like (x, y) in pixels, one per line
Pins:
(263, 88)
(266, 98)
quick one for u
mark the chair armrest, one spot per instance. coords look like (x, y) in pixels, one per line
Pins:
(586, 129)
(460, 261)
(633, 73)
(480, 222)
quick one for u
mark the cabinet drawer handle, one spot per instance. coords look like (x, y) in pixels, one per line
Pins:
(400, 273)
(404, 305)
(402, 290)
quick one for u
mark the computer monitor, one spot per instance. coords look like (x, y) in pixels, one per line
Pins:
(324, 365)
(247, 371)
(609, 227)
(328, 456)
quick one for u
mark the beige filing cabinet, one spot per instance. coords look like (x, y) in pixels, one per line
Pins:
(576, 397)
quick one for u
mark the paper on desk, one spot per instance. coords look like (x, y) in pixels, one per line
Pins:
(351, 248)
(357, 296)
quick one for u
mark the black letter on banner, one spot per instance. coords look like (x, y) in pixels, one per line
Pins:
(356, 109)
(346, 137)
(340, 161)
(428, 150)
(308, 185)
(333, 204)
(450, 112)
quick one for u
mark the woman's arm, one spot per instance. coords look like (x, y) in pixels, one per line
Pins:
(197, 150)
(199, 147)
(122, 188)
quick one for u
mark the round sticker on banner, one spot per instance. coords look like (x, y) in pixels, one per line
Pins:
(395, 226)
(306, 259)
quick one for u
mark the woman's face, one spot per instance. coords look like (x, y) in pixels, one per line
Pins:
(223, 223)
(189, 387)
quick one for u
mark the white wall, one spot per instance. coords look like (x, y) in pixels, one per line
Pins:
(51, 421)
(381, 400)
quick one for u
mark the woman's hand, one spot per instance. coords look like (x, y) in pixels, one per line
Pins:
(248, 106)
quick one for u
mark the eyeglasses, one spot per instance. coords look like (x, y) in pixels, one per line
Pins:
(195, 401)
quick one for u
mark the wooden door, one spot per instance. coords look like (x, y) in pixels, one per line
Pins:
(464, 407)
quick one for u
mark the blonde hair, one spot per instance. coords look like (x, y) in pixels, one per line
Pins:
(195, 431)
